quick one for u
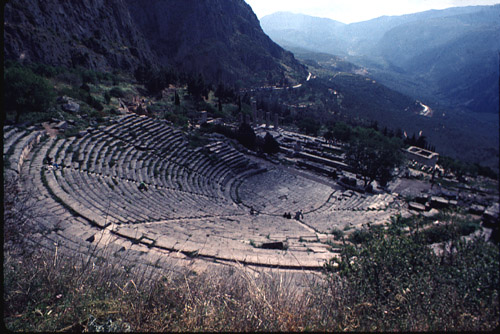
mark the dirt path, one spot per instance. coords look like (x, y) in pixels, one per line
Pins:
(50, 131)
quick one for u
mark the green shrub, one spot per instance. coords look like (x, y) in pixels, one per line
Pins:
(396, 282)
(117, 92)
(25, 91)
(360, 236)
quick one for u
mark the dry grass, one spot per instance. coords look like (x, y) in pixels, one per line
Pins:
(53, 294)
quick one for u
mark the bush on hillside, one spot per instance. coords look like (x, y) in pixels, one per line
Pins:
(396, 282)
(25, 91)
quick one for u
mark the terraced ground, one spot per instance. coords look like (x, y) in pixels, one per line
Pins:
(201, 206)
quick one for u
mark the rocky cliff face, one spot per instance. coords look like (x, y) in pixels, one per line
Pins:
(96, 34)
(220, 38)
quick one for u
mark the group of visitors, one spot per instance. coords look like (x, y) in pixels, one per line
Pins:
(298, 215)
(51, 164)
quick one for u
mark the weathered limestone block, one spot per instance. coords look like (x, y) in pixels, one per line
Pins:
(416, 206)
(439, 202)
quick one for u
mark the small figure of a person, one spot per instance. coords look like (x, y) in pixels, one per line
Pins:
(142, 187)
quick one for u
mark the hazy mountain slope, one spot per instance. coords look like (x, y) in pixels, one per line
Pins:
(446, 57)
(468, 136)
(308, 32)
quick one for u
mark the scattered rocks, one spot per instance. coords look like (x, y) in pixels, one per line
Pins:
(491, 215)
(68, 104)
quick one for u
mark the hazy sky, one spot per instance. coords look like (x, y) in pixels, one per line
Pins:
(349, 11)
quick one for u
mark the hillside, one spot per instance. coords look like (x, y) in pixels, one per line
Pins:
(468, 136)
(448, 57)
(220, 39)
(94, 34)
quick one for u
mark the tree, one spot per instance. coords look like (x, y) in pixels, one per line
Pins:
(328, 135)
(177, 100)
(309, 125)
(270, 146)
(25, 92)
(246, 136)
(197, 87)
(107, 97)
(342, 131)
(373, 156)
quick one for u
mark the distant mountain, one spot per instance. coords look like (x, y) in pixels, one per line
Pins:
(221, 39)
(447, 57)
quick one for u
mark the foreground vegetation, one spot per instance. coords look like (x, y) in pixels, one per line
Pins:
(389, 279)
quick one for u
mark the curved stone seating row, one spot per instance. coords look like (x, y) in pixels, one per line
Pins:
(18, 145)
(343, 219)
(86, 194)
(101, 154)
(352, 201)
(120, 201)
(102, 171)
(189, 204)
(10, 136)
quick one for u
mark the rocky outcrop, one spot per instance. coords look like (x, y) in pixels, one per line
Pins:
(220, 38)
(95, 34)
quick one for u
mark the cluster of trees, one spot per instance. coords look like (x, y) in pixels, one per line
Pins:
(460, 168)
(246, 136)
(369, 152)
(372, 155)
(25, 91)
(157, 79)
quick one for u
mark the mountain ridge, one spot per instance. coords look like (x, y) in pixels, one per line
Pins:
(393, 50)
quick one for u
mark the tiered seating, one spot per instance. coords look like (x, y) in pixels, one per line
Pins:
(104, 169)
(351, 209)
(195, 199)
(18, 144)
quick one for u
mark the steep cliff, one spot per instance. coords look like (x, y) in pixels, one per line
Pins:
(220, 38)
(96, 34)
